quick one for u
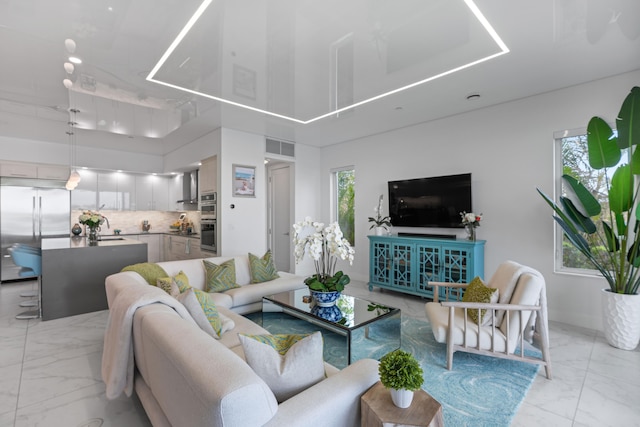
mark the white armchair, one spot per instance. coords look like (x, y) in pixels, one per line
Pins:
(519, 315)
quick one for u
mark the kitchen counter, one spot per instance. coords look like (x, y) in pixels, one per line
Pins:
(73, 272)
(76, 242)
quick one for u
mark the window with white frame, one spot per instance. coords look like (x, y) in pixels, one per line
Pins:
(344, 181)
(573, 159)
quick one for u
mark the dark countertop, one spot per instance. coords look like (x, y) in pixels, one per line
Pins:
(82, 242)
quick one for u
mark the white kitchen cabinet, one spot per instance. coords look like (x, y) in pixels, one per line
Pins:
(154, 247)
(208, 175)
(175, 192)
(85, 196)
(60, 173)
(19, 170)
(152, 193)
(116, 190)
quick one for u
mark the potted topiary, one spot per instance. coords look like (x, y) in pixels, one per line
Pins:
(589, 225)
(401, 373)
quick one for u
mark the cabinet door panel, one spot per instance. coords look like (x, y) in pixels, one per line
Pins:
(428, 267)
(380, 263)
(456, 261)
(401, 272)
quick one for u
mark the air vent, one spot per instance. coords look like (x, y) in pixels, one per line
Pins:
(281, 148)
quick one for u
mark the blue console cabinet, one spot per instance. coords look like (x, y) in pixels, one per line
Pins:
(408, 264)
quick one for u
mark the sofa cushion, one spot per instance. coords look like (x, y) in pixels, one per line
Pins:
(262, 269)
(288, 364)
(476, 291)
(220, 278)
(251, 294)
(150, 271)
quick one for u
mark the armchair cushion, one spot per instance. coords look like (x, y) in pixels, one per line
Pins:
(478, 292)
(505, 279)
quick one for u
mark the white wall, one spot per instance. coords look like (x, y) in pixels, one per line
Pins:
(243, 227)
(509, 151)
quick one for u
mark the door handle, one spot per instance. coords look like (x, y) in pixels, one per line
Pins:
(286, 234)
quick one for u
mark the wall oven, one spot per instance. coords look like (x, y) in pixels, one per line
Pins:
(208, 222)
(208, 234)
(208, 203)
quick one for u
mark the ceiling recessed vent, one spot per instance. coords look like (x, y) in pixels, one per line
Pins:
(281, 148)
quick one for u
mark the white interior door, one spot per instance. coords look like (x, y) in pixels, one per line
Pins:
(280, 215)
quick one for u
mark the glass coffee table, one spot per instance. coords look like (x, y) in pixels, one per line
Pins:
(369, 329)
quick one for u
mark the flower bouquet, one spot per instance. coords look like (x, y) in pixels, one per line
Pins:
(325, 245)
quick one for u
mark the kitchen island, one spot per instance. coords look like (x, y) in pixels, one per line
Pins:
(73, 272)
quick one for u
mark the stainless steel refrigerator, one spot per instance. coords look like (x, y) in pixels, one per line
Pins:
(30, 209)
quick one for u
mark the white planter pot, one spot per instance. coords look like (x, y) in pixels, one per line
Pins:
(621, 319)
(401, 398)
(380, 231)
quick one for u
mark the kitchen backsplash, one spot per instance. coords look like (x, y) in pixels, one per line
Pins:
(130, 222)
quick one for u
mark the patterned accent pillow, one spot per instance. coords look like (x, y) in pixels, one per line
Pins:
(168, 285)
(289, 373)
(477, 291)
(191, 303)
(210, 310)
(220, 278)
(262, 269)
(182, 281)
(151, 272)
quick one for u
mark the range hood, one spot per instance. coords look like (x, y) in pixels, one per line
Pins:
(189, 191)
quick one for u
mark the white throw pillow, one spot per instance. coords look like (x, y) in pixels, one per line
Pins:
(288, 364)
(193, 306)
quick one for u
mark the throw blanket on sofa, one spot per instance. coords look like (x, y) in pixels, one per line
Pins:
(117, 356)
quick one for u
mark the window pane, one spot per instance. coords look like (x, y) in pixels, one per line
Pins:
(575, 162)
(345, 182)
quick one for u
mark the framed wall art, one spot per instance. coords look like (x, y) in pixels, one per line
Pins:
(244, 181)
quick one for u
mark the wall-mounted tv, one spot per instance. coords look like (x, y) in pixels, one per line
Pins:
(430, 202)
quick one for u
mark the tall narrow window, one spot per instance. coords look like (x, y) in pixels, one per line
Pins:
(344, 192)
(574, 157)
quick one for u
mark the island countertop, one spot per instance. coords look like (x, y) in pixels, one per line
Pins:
(73, 272)
(77, 242)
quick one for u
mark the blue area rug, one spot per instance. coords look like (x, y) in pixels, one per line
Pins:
(479, 391)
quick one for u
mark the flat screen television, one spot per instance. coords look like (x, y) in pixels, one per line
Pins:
(430, 202)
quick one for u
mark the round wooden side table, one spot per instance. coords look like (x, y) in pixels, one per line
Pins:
(377, 410)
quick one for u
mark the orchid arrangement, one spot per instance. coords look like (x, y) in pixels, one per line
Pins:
(92, 219)
(379, 220)
(470, 219)
(325, 245)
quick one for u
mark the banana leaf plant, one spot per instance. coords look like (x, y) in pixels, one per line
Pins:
(580, 214)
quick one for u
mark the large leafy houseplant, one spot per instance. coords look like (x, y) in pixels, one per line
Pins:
(580, 214)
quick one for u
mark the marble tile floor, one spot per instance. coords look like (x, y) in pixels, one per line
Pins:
(50, 372)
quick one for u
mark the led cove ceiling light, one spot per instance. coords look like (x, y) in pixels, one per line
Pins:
(206, 3)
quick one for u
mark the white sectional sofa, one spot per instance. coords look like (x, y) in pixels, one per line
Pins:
(184, 377)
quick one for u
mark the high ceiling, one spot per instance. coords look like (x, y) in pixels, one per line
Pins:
(291, 69)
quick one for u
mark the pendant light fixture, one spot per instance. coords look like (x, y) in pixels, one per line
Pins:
(74, 176)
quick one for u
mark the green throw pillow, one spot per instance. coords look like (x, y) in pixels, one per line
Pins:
(220, 278)
(262, 269)
(182, 281)
(151, 272)
(477, 291)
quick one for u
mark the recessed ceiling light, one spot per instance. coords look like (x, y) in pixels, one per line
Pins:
(75, 60)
